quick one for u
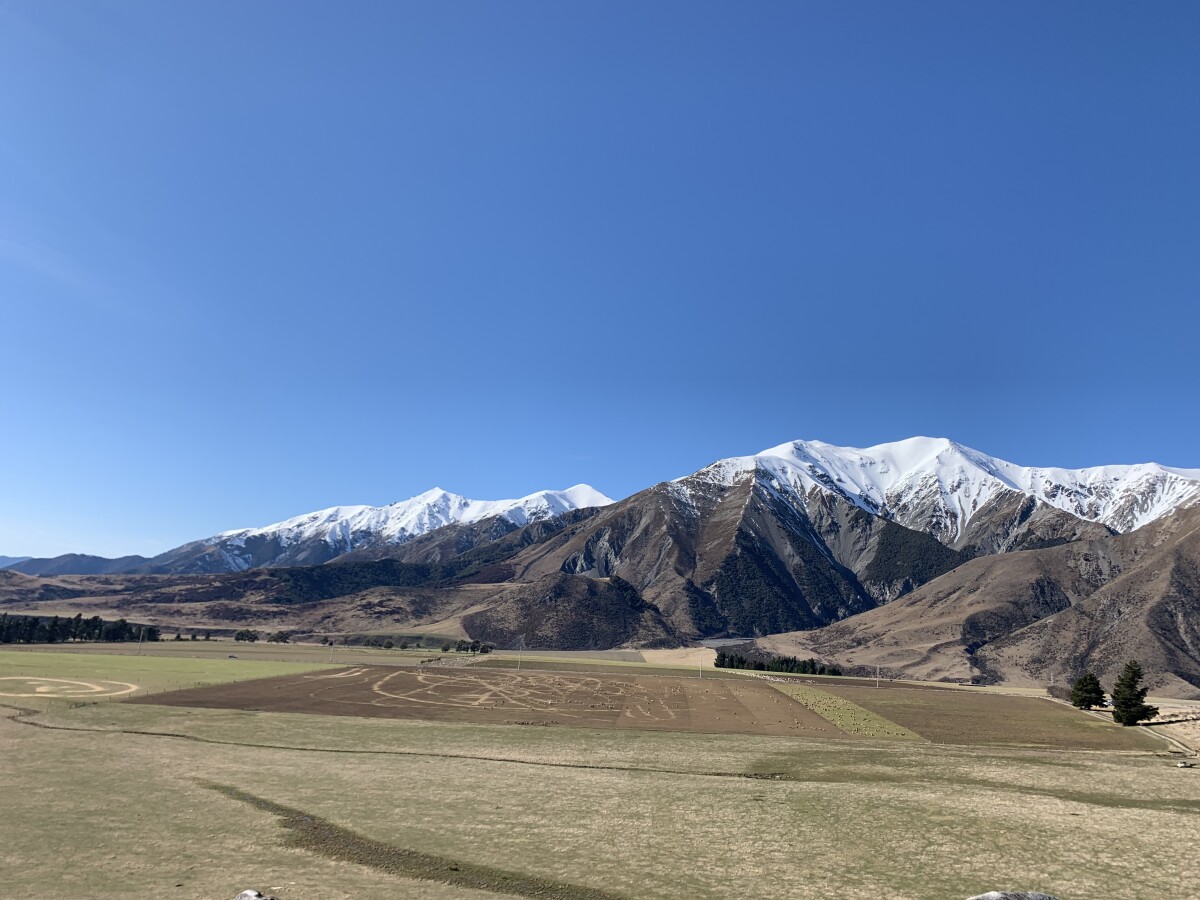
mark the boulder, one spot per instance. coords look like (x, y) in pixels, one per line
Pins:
(1012, 895)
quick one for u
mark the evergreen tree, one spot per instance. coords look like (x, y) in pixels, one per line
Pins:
(1129, 697)
(1087, 692)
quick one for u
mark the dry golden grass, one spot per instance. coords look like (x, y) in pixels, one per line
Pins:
(849, 717)
(119, 809)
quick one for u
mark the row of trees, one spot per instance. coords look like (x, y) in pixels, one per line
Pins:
(1129, 705)
(468, 647)
(775, 664)
(59, 630)
(461, 646)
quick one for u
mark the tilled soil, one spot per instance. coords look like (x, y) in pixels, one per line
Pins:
(946, 715)
(501, 697)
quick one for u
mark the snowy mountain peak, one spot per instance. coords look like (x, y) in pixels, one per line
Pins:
(938, 485)
(347, 527)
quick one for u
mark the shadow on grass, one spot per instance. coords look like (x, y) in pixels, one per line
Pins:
(319, 836)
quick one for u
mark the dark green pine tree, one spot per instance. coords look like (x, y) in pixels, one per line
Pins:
(1129, 697)
(1086, 692)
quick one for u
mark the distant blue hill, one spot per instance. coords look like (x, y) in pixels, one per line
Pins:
(75, 564)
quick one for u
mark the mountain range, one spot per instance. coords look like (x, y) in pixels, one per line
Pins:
(326, 535)
(865, 556)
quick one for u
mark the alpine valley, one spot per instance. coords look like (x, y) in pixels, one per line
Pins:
(920, 557)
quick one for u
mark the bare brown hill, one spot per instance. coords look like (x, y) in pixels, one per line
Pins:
(1024, 617)
(682, 560)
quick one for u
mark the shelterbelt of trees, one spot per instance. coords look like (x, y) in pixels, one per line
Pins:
(775, 664)
(59, 630)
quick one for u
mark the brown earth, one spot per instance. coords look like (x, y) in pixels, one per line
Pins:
(498, 697)
(957, 716)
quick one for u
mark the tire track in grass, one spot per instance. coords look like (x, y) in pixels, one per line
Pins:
(317, 835)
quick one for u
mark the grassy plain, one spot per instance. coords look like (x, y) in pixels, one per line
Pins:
(142, 799)
(222, 649)
(149, 673)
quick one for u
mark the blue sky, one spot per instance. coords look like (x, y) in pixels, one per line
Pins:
(262, 258)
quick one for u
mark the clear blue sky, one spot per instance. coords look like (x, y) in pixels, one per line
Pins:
(262, 258)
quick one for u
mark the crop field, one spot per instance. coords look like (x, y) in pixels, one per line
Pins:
(736, 703)
(950, 716)
(743, 706)
(119, 798)
(583, 664)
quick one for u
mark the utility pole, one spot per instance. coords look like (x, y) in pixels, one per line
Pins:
(141, 637)
(877, 676)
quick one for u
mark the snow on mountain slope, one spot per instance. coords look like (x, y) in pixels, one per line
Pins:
(939, 486)
(404, 520)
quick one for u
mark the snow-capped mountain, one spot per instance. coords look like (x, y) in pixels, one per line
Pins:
(948, 490)
(967, 500)
(320, 536)
(341, 526)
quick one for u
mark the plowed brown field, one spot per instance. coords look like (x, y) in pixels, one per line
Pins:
(526, 698)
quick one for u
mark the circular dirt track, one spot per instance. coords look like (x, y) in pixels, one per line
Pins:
(65, 688)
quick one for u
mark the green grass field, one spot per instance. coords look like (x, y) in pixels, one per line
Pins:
(260, 651)
(149, 673)
(115, 800)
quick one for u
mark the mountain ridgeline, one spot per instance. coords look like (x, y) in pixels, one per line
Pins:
(803, 538)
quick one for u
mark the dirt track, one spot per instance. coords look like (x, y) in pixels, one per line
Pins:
(506, 697)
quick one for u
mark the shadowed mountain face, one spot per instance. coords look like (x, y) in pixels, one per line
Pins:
(1014, 521)
(722, 558)
(1022, 617)
(565, 610)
